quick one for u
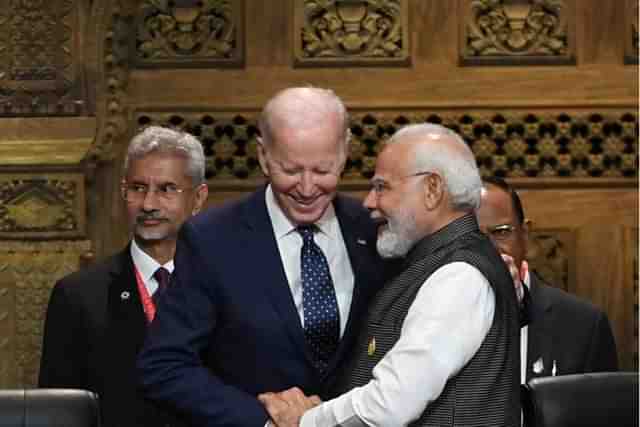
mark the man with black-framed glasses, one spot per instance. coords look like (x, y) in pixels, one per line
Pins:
(97, 318)
(563, 334)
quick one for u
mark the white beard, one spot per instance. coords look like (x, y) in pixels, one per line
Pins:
(395, 239)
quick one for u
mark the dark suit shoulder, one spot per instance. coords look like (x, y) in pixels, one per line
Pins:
(568, 303)
(89, 286)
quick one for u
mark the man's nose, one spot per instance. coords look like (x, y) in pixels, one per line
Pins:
(307, 183)
(371, 201)
(150, 201)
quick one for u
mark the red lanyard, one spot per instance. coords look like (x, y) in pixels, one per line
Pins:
(147, 303)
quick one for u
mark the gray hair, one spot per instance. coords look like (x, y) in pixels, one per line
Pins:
(304, 106)
(165, 140)
(453, 161)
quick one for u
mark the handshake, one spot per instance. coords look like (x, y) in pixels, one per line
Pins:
(287, 407)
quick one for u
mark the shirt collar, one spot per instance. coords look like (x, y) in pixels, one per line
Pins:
(146, 265)
(282, 226)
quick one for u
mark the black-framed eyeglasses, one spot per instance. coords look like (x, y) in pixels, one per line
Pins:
(132, 192)
(379, 186)
(501, 232)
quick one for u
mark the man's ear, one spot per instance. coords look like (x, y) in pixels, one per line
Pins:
(527, 225)
(201, 194)
(262, 157)
(433, 191)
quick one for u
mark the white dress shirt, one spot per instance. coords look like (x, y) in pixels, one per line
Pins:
(524, 335)
(444, 327)
(147, 266)
(329, 239)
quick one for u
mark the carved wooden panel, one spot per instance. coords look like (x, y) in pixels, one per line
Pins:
(42, 206)
(562, 144)
(517, 32)
(7, 327)
(351, 32)
(552, 254)
(40, 69)
(187, 33)
(631, 32)
(29, 271)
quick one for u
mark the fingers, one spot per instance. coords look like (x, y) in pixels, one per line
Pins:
(287, 407)
(515, 276)
(315, 400)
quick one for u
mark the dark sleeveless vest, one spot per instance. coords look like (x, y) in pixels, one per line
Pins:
(486, 391)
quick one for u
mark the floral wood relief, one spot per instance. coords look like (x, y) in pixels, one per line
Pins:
(32, 268)
(352, 31)
(116, 78)
(517, 31)
(189, 32)
(506, 143)
(38, 68)
(34, 207)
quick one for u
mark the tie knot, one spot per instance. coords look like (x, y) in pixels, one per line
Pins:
(306, 231)
(162, 276)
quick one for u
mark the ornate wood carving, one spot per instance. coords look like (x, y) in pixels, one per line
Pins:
(186, 33)
(561, 144)
(354, 32)
(113, 110)
(40, 70)
(7, 328)
(29, 271)
(509, 32)
(552, 255)
(631, 32)
(42, 207)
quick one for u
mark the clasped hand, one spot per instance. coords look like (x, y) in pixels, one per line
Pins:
(287, 407)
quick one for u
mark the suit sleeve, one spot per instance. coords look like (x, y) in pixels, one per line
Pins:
(170, 364)
(64, 348)
(602, 354)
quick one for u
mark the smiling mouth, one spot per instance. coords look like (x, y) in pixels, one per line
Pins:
(150, 221)
(305, 202)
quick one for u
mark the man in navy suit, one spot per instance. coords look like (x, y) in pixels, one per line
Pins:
(565, 334)
(240, 318)
(97, 318)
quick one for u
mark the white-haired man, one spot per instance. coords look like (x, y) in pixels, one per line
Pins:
(97, 318)
(440, 346)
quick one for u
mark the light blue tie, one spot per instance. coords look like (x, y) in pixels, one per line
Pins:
(320, 307)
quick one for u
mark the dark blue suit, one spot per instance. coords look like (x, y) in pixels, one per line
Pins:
(228, 328)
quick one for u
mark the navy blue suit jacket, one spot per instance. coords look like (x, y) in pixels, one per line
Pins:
(228, 328)
(568, 330)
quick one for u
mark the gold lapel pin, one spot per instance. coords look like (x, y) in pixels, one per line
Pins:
(372, 346)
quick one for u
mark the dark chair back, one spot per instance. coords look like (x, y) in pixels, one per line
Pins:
(49, 408)
(585, 400)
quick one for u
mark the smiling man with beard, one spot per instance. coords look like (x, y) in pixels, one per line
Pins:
(98, 318)
(270, 288)
(440, 343)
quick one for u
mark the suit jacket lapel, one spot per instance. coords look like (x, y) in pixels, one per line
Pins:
(358, 246)
(263, 243)
(540, 335)
(127, 323)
